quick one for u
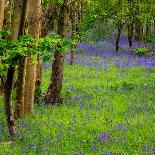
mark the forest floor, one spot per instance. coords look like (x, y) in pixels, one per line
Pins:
(108, 108)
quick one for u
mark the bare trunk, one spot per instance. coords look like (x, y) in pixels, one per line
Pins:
(7, 18)
(47, 21)
(154, 27)
(29, 87)
(72, 55)
(8, 101)
(73, 20)
(19, 109)
(15, 19)
(34, 18)
(18, 29)
(130, 33)
(118, 38)
(54, 90)
(137, 31)
(38, 80)
(2, 4)
(141, 32)
(148, 31)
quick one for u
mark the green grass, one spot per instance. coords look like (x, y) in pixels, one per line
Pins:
(113, 101)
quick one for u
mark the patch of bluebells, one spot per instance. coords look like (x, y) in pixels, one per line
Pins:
(106, 50)
(103, 137)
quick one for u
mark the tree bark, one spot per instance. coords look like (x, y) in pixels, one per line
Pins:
(2, 5)
(34, 18)
(7, 18)
(148, 31)
(141, 32)
(73, 21)
(38, 81)
(54, 90)
(15, 19)
(47, 21)
(18, 29)
(19, 109)
(8, 101)
(118, 37)
(130, 33)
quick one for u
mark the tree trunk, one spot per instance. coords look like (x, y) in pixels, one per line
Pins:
(118, 37)
(19, 109)
(154, 26)
(8, 101)
(137, 31)
(2, 5)
(15, 19)
(130, 33)
(47, 21)
(29, 87)
(148, 31)
(18, 31)
(7, 18)
(38, 81)
(73, 20)
(141, 32)
(54, 90)
(34, 17)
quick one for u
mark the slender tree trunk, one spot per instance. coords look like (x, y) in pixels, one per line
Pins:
(34, 18)
(48, 20)
(19, 109)
(130, 33)
(7, 18)
(118, 37)
(2, 5)
(137, 31)
(18, 29)
(38, 81)
(8, 85)
(15, 19)
(8, 101)
(54, 90)
(154, 26)
(142, 32)
(73, 20)
(148, 31)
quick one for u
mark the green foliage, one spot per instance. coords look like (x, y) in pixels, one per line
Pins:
(99, 16)
(26, 46)
(141, 51)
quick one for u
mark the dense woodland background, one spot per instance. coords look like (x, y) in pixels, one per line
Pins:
(77, 76)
